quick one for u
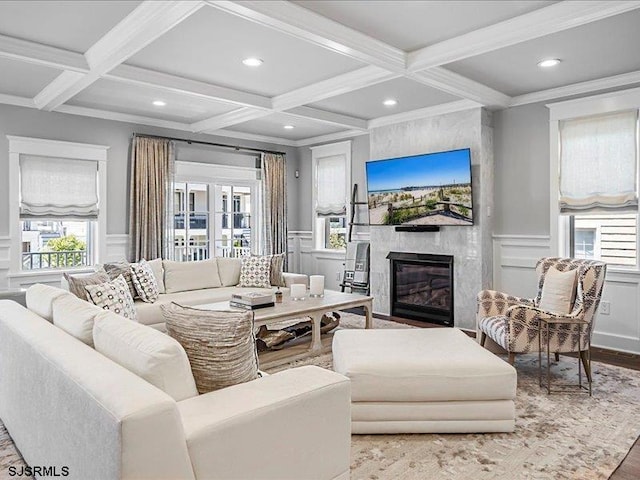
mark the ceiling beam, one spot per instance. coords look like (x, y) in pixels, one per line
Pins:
(39, 54)
(442, 109)
(615, 81)
(461, 86)
(539, 23)
(304, 24)
(328, 117)
(338, 85)
(141, 27)
(224, 120)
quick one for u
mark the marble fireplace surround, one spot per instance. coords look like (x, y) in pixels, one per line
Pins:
(470, 246)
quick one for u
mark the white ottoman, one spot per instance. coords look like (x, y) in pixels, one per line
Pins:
(427, 380)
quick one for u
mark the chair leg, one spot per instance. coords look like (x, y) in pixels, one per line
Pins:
(483, 338)
(512, 358)
(557, 357)
(585, 363)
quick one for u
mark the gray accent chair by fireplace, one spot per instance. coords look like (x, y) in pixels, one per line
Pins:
(513, 322)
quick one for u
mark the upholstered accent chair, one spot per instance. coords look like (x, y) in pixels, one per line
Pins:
(513, 322)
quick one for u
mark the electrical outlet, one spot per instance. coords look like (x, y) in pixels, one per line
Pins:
(605, 308)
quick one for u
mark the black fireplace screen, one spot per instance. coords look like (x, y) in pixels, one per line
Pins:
(422, 287)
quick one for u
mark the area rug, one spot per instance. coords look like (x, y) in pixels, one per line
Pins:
(558, 436)
(561, 436)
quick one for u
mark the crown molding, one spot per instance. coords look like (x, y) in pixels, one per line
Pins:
(172, 83)
(460, 86)
(539, 23)
(338, 85)
(580, 88)
(330, 137)
(304, 24)
(39, 54)
(426, 112)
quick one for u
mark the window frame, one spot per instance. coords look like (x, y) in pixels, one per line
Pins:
(318, 223)
(19, 146)
(217, 175)
(560, 231)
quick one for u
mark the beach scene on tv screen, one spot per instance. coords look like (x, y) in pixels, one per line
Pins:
(430, 189)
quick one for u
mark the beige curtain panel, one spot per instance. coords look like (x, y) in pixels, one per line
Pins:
(274, 202)
(150, 211)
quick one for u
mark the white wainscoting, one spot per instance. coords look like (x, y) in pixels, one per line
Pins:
(515, 258)
(304, 258)
(116, 250)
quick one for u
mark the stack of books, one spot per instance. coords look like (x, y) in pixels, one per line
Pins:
(251, 300)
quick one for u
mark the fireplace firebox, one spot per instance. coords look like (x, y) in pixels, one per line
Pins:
(422, 287)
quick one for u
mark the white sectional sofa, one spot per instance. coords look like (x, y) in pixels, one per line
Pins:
(66, 404)
(197, 283)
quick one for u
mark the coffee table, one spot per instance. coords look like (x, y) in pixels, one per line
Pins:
(313, 308)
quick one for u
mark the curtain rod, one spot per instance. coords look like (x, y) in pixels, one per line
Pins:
(213, 144)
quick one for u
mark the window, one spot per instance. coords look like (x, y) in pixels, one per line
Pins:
(220, 220)
(331, 184)
(58, 204)
(598, 186)
(191, 226)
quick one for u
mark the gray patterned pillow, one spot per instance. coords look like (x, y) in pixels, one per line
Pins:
(113, 296)
(277, 265)
(78, 282)
(221, 346)
(145, 281)
(255, 272)
(114, 270)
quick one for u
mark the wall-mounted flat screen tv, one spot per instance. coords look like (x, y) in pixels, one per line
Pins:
(428, 189)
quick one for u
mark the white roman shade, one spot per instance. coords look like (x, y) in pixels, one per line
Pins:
(598, 164)
(58, 188)
(331, 175)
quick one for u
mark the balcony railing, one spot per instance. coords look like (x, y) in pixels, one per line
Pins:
(201, 252)
(40, 260)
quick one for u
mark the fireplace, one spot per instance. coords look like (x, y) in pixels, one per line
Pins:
(422, 287)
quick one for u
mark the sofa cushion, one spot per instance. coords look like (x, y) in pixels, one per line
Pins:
(148, 353)
(229, 270)
(221, 345)
(420, 365)
(256, 272)
(113, 296)
(558, 291)
(75, 317)
(39, 299)
(183, 276)
(77, 282)
(115, 269)
(145, 281)
(158, 273)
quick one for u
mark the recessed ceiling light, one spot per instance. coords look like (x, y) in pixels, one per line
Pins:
(390, 102)
(252, 62)
(549, 62)
(288, 127)
(159, 103)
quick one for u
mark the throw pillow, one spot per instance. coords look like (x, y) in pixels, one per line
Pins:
(114, 270)
(221, 346)
(145, 281)
(229, 270)
(277, 265)
(113, 296)
(255, 272)
(558, 291)
(147, 352)
(158, 272)
(78, 282)
(183, 276)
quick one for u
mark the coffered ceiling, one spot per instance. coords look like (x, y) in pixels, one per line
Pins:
(327, 66)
